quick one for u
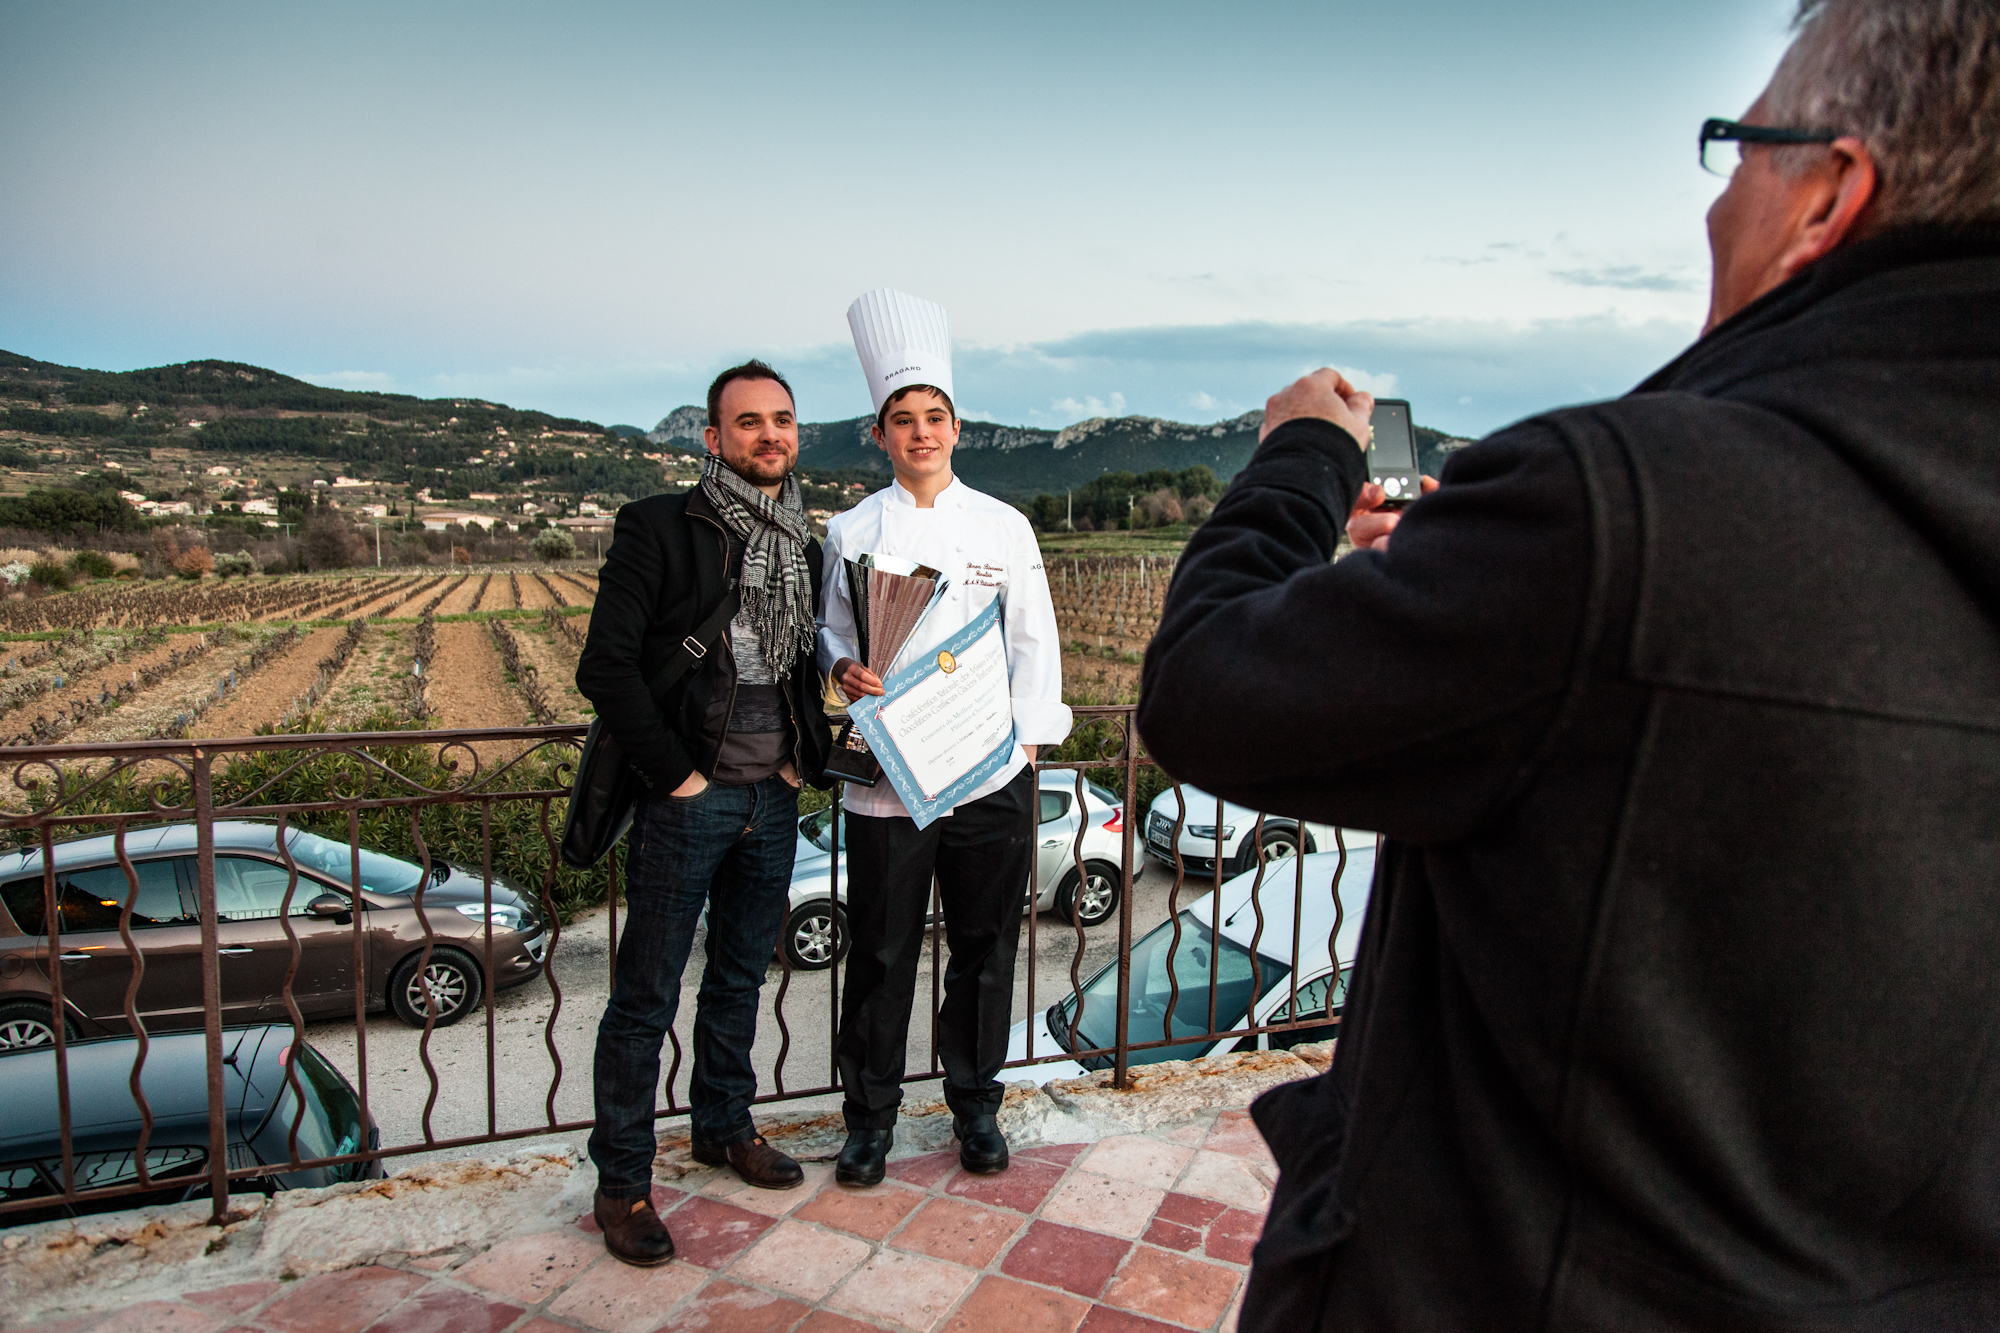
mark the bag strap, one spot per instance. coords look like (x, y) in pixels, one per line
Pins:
(696, 646)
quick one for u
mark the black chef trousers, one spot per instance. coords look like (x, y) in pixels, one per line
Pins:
(980, 856)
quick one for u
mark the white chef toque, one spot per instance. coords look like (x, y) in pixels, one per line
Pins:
(901, 340)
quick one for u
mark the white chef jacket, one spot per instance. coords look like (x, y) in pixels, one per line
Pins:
(986, 549)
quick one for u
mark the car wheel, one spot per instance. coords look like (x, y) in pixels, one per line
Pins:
(25, 1023)
(1279, 844)
(809, 936)
(455, 986)
(1092, 898)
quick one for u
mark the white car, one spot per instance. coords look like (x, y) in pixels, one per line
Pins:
(1199, 828)
(1090, 898)
(1262, 994)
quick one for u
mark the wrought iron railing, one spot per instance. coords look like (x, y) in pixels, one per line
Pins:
(492, 801)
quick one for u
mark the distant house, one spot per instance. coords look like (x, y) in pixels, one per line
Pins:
(484, 495)
(371, 511)
(218, 471)
(588, 507)
(443, 519)
(132, 497)
(260, 506)
(348, 482)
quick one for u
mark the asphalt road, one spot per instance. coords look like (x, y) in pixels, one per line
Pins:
(513, 1089)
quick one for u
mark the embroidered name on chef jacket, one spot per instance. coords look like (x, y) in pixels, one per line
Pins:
(982, 575)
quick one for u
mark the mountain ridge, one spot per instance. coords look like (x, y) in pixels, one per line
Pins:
(1025, 460)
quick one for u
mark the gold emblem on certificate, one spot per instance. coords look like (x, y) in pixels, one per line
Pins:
(947, 663)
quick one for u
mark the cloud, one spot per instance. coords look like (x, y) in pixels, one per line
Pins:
(1381, 383)
(1065, 411)
(1625, 277)
(350, 379)
(1468, 377)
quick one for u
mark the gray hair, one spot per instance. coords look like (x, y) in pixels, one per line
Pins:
(1918, 82)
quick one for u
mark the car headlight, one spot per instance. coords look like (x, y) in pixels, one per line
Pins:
(504, 916)
(1206, 832)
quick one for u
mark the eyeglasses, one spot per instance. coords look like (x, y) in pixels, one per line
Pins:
(1717, 136)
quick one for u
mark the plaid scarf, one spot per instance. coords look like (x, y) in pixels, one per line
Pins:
(777, 586)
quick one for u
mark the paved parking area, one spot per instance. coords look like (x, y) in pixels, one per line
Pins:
(522, 1069)
(1132, 1233)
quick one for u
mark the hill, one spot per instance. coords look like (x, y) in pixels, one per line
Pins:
(1021, 461)
(457, 447)
(224, 408)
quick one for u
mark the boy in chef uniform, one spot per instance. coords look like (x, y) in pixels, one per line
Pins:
(980, 851)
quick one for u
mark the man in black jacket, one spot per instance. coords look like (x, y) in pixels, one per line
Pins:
(722, 752)
(1676, 1001)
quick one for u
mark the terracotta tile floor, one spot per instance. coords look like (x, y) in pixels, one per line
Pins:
(1138, 1232)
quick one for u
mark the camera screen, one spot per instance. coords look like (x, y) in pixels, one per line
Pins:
(1394, 444)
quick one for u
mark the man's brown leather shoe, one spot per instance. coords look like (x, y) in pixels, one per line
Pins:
(755, 1160)
(634, 1235)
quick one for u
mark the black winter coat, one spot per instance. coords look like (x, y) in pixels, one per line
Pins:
(666, 572)
(1679, 992)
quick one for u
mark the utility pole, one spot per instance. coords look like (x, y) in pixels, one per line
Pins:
(1069, 515)
(378, 543)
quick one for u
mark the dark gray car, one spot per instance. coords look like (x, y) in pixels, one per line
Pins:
(105, 1120)
(252, 917)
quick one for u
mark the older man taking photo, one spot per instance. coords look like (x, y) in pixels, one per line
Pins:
(1677, 1001)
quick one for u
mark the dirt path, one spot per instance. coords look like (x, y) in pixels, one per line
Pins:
(372, 679)
(468, 688)
(265, 696)
(500, 594)
(460, 599)
(579, 588)
(554, 662)
(533, 595)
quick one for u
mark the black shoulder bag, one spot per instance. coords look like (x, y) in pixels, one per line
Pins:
(607, 786)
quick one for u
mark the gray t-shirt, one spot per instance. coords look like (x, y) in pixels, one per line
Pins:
(757, 731)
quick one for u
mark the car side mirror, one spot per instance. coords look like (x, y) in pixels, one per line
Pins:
(330, 907)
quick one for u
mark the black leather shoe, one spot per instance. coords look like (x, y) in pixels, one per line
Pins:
(634, 1235)
(982, 1148)
(753, 1159)
(864, 1157)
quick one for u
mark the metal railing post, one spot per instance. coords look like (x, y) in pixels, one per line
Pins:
(211, 982)
(1120, 1070)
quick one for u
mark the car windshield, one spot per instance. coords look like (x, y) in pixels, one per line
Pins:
(331, 1126)
(1193, 964)
(814, 829)
(379, 873)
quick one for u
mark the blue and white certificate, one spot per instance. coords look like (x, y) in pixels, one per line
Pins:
(945, 723)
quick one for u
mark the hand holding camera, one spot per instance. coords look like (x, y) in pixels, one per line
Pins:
(1387, 438)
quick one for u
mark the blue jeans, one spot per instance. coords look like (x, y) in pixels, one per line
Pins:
(732, 848)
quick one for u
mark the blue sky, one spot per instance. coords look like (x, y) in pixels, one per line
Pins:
(1155, 207)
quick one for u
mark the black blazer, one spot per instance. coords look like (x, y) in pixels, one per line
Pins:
(667, 569)
(1676, 1003)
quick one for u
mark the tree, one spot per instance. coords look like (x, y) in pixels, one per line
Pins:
(329, 542)
(64, 511)
(1197, 480)
(554, 544)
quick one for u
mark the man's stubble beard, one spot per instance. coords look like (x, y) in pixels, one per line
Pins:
(760, 475)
